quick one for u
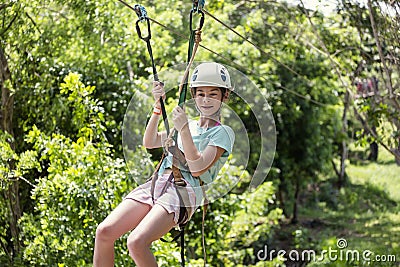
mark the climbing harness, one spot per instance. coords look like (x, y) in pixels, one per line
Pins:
(185, 209)
(170, 144)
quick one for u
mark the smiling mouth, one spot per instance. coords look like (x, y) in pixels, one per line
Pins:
(206, 107)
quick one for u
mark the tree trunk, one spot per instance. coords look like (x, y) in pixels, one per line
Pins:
(373, 152)
(375, 31)
(296, 200)
(397, 155)
(281, 193)
(345, 151)
(393, 99)
(11, 194)
(396, 150)
(373, 147)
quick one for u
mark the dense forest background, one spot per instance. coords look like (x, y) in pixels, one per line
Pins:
(69, 69)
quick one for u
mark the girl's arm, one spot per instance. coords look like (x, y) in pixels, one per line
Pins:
(152, 137)
(198, 162)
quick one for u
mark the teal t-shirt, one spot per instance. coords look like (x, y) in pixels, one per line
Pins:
(221, 136)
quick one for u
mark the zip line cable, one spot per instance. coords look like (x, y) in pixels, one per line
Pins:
(182, 36)
(268, 55)
(273, 58)
(254, 45)
(234, 63)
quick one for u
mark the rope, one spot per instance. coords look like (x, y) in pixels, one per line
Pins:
(203, 237)
(142, 15)
(164, 115)
(194, 42)
(182, 245)
(169, 141)
(196, 46)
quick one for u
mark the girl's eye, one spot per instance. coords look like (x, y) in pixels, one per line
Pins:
(212, 95)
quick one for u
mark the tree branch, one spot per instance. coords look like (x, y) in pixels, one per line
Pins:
(367, 128)
(337, 70)
(23, 179)
(34, 23)
(3, 6)
(6, 250)
(380, 51)
(10, 24)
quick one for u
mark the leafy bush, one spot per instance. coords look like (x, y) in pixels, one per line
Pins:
(82, 184)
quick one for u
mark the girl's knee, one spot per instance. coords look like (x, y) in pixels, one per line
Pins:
(106, 231)
(137, 244)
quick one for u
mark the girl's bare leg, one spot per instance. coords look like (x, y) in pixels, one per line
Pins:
(156, 224)
(125, 217)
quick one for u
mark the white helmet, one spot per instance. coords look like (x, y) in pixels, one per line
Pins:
(211, 74)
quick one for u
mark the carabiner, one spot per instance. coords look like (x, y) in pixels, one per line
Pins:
(142, 14)
(148, 37)
(201, 19)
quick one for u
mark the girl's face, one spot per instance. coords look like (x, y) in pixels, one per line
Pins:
(208, 100)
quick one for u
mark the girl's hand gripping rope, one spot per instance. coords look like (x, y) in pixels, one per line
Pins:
(158, 91)
(179, 118)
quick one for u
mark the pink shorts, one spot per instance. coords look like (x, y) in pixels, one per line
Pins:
(169, 200)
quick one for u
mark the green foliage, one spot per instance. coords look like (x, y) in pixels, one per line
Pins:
(14, 168)
(87, 114)
(236, 225)
(83, 182)
(74, 67)
(367, 216)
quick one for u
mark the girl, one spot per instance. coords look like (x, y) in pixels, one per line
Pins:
(206, 146)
